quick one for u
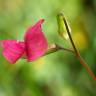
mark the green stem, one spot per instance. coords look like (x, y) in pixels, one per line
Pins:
(70, 37)
(54, 48)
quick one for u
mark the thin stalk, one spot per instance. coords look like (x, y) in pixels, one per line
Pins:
(77, 53)
(82, 61)
(70, 37)
(54, 48)
(68, 50)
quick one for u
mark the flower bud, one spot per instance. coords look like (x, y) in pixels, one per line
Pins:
(63, 26)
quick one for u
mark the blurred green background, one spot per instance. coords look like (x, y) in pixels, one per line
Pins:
(57, 74)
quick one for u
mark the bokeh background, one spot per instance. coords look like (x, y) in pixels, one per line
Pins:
(57, 74)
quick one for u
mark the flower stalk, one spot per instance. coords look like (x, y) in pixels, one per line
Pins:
(55, 47)
(76, 51)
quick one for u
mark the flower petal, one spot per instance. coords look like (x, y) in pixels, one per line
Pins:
(12, 50)
(36, 43)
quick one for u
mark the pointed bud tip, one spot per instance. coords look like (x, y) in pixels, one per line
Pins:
(42, 20)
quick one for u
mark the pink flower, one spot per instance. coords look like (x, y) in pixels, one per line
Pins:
(34, 45)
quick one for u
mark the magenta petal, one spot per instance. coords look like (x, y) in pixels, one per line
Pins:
(36, 43)
(12, 50)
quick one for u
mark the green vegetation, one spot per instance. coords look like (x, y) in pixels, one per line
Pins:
(57, 74)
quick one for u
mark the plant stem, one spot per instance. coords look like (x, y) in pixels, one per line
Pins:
(77, 53)
(54, 48)
(70, 37)
(82, 61)
(65, 49)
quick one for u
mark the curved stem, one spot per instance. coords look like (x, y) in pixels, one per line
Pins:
(77, 53)
(82, 61)
(65, 49)
(54, 48)
(70, 37)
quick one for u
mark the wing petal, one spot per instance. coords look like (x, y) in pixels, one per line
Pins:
(35, 41)
(12, 50)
